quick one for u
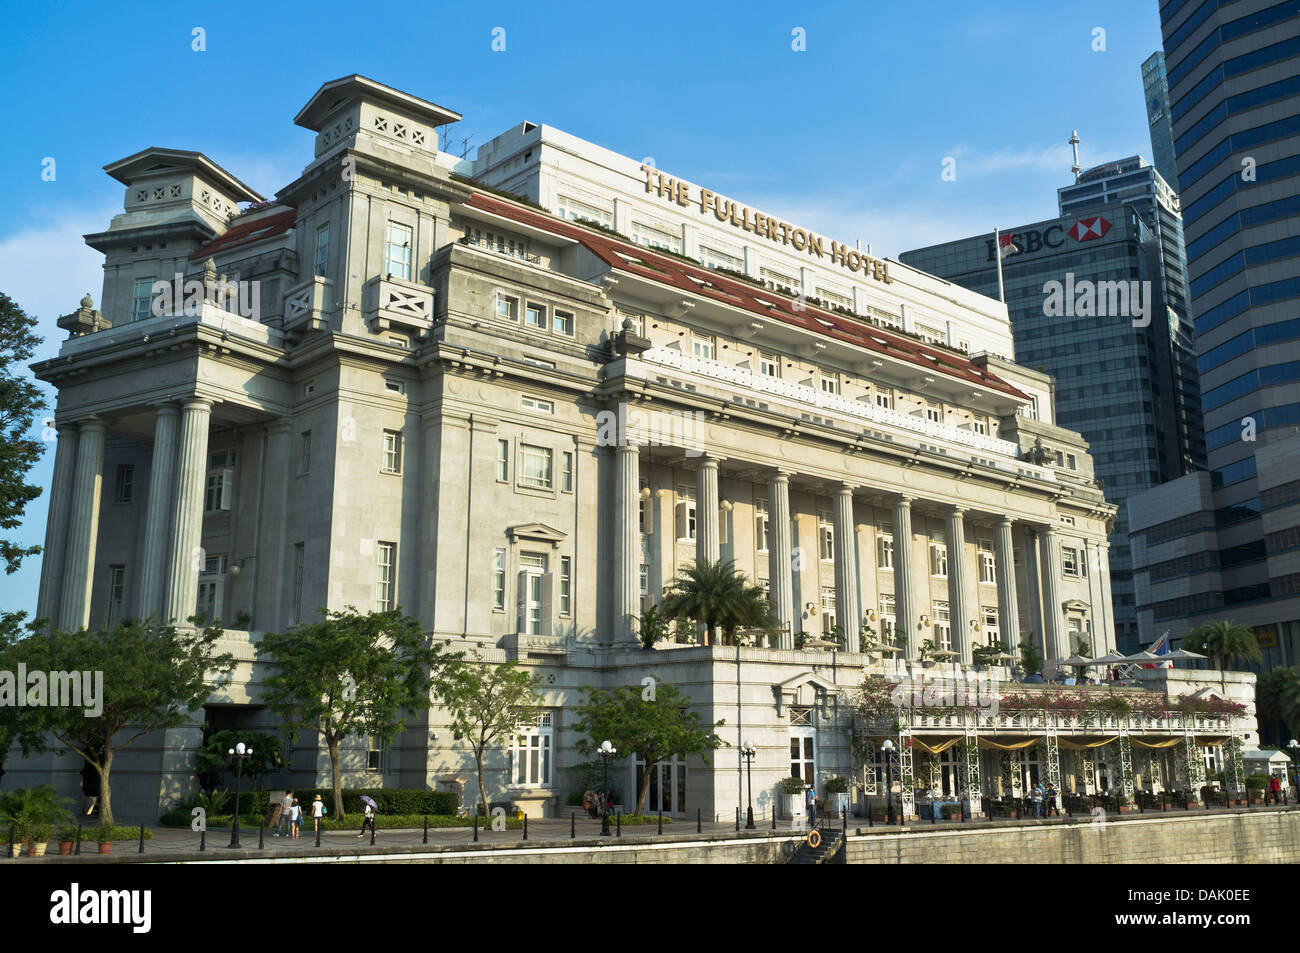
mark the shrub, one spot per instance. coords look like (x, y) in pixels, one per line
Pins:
(792, 786)
(250, 822)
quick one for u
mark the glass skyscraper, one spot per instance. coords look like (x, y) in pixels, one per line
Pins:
(1233, 72)
(1117, 379)
(1156, 87)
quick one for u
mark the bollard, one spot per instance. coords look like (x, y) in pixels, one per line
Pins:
(871, 816)
(261, 834)
(426, 828)
(774, 817)
(141, 851)
(476, 827)
(661, 819)
(933, 819)
(699, 825)
(203, 839)
(12, 852)
(77, 850)
(318, 823)
(619, 817)
(525, 827)
(737, 820)
(372, 831)
(573, 825)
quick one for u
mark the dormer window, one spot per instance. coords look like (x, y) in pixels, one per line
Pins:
(397, 251)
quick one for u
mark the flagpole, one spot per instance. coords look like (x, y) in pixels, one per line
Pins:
(997, 250)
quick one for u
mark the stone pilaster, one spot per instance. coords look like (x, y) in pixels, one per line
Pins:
(707, 534)
(1008, 610)
(627, 542)
(848, 609)
(905, 614)
(56, 524)
(1050, 564)
(158, 513)
(186, 554)
(780, 568)
(958, 575)
(83, 526)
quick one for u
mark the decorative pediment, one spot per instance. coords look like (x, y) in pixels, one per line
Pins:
(536, 532)
(1075, 605)
(804, 690)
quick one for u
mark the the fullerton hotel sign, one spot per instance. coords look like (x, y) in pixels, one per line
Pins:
(746, 219)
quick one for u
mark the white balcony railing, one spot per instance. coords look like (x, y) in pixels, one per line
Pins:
(308, 303)
(862, 410)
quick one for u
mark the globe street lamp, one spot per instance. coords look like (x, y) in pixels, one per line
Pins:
(747, 752)
(887, 749)
(606, 751)
(237, 754)
(1295, 766)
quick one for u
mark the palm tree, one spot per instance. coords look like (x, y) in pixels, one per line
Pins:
(1226, 641)
(715, 595)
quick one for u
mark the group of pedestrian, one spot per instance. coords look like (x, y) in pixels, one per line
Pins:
(289, 816)
(597, 803)
(1044, 801)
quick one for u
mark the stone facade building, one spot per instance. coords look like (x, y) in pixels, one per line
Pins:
(518, 428)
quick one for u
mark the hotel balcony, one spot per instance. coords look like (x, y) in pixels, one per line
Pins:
(774, 394)
(308, 304)
(395, 304)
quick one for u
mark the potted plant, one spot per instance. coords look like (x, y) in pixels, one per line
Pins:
(793, 789)
(33, 814)
(67, 839)
(104, 837)
(839, 787)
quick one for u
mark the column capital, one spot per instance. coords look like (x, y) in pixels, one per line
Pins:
(279, 425)
(905, 500)
(958, 510)
(91, 424)
(709, 461)
(1049, 531)
(846, 489)
(780, 476)
(1006, 521)
(197, 403)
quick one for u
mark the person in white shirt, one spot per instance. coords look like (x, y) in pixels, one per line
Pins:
(368, 818)
(295, 818)
(317, 812)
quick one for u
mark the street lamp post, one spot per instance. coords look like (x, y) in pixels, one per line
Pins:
(606, 751)
(1295, 766)
(238, 753)
(748, 753)
(887, 749)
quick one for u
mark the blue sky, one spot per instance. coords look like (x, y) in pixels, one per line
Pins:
(846, 137)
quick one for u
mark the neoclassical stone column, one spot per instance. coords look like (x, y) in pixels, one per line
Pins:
(780, 569)
(1050, 565)
(1105, 613)
(707, 536)
(627, 543)
(274, 584)
(1008, 610)
(958, 575)
(56, 524)
(848, 610)
(83, 526)
(187, 512)
(158, 513)
(905, 614)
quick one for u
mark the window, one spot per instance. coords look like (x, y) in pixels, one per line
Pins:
(385, 588)
(116, 586)
(645, 566)
(1075, 627)
(532, 753)
(643, 508)
(304, 456)
(211, 583)
(1071, 461)
(884, 398)
(299, 563)
(535, 316)
(934, 411)
(507, 307)
(685, 514)
(1032, 411)
(885, 547)
(803, 746)
(376, 748)
(221, 475)
(1070, 561)
(703, 346)
(1060, 458)
(535, 466)
(887, 617)
(938, 556)
(980, 424)
(930, 335)
(322, 248)
(769, 365)
(395, 387)
(826, 535)
(499, 579)
(501, 244)
(942, 627)
(537, 404)
(828, 608)
(533, 592)
(309, 387)
(566, 471)
(573, 210)
(760, 525)
(834, 297)
(988, 563)
(829, 383)
(392, 451)
(142, 301)
(776, 278)
(397, 251)
(566, 585)
(125, 489)
(638, 320)
(503, 461)
(713, 258)
(989, 618)
(652, 237)
(562, 322)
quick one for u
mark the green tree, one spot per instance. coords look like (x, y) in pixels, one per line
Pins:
(353, 674)
(1225, 641)
(715, 595)
(652, 626)
(649, 722)
(212, 761)
(1277, 701)
(489, 703)
(1031, 659)
(20, 400)
(153, 677)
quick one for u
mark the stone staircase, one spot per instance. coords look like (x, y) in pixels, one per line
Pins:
(829, 851)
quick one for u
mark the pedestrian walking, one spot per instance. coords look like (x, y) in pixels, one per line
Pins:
(295, 818)
(284, 822)
(1275, 789)
(317, 812)
(1037, 796)
(368, 817)
(812, 806)
(1051, 801)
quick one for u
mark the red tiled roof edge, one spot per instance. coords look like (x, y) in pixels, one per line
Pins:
(674, 271)
(249, 232)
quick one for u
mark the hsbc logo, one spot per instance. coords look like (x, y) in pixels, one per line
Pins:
(1086, 229)
(1030, 240)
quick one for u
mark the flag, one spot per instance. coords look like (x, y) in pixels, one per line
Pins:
(1160, 646)
(1006, 246)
